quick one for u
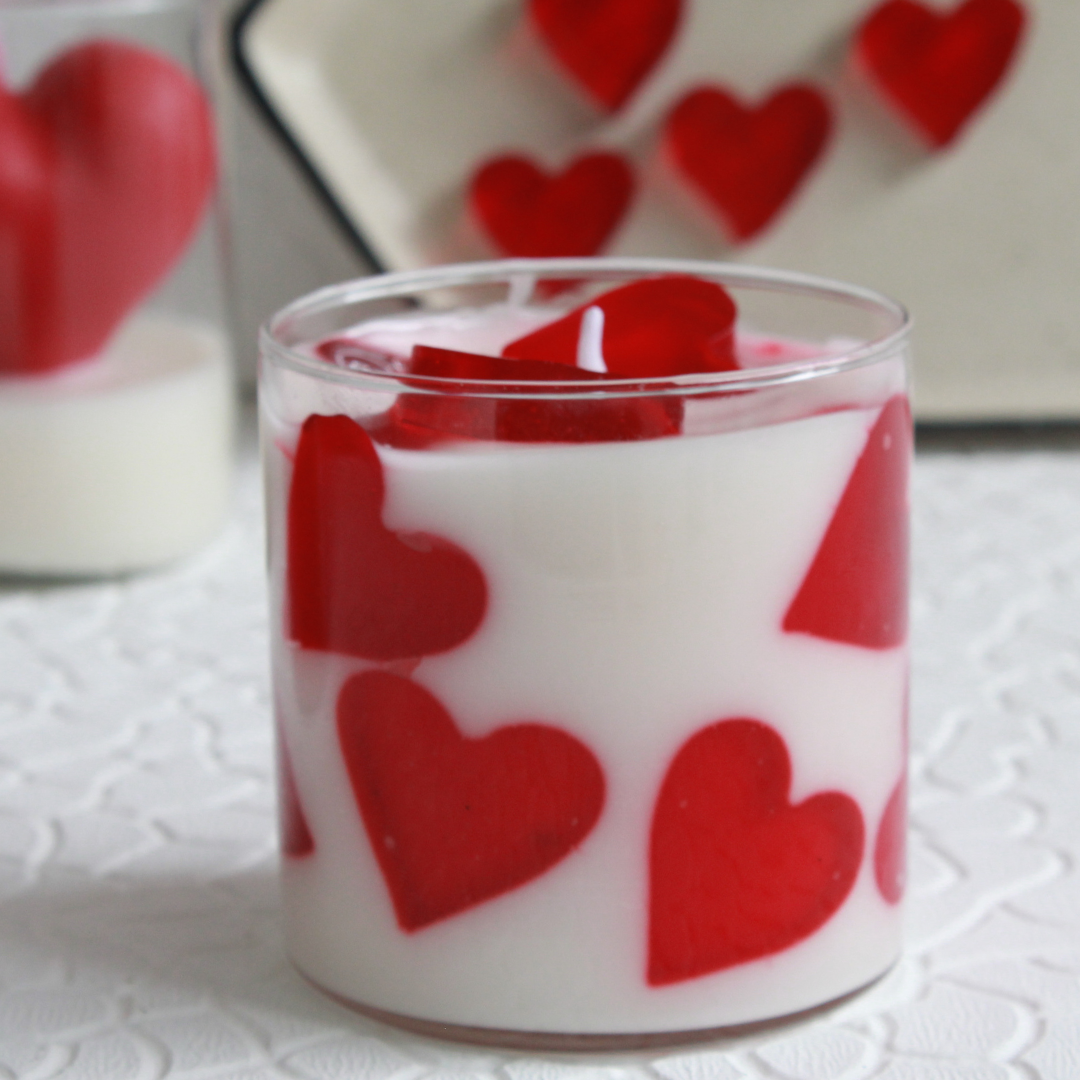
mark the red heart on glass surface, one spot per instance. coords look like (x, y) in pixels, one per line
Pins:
(653, 328)
(747, 162)
(736, 871)
(420, 419)
(296, 839)
(107, 163)
(529, 213)
(455, 821)
(354, 586)
(607, 46)
(856, 588)
(936, 68)
(891, 844)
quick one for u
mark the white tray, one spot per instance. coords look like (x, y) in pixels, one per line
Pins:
(391, 106)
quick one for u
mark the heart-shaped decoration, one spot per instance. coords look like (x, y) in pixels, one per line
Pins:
(354, 586)
(607, 47)
(653, 328)
(416, 420)
(891, 845)
(938, 68)
(736, 871)
(456, 821)
(856, 588)
(747, 162)
(528, 213)
(107, 164)
(296, 839)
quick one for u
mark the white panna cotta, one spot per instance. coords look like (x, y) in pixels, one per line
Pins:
(636, 598)
(120, 462)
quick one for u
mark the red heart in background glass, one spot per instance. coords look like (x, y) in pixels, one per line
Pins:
(295, 836)
(416, 420)
(747, 162)
(936, 68)
(607, 46)
(856, 588)
(528, 213)
(354, 586)
(653, 328)
(455, 821)
(107, 163)
(891, 844)
(736, 871)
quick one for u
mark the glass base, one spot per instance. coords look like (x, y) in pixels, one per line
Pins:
(569, 1042)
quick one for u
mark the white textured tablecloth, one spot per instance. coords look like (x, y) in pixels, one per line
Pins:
(139, 926)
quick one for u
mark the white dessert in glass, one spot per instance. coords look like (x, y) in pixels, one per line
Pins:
(590, 693)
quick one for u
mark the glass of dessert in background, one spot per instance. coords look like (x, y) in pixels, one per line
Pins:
(116, 410)
(589, 590)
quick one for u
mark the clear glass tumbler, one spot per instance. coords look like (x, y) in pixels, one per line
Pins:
(116, 395)
(591, 684)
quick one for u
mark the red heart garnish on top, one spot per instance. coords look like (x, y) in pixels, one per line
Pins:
(654, 328)
(736, 872)
(455, 821)
(107, 163)
(528, 213)
(457, 412)
(937, 68)
(607, 46)
(856, 588)
(354, 586)
(747, 162)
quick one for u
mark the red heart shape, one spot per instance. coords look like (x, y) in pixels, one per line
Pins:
(419, 419)
(856, 588)
(652, 328)
(455, 821)
(296, 839)
(528, 213)
(891, 845)
(107, 163)
(747, 162)
(936, 68)
(736, 871)
(607, 46)
(354, 586)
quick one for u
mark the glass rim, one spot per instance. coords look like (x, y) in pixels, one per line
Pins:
(408, 282)
(119, 7)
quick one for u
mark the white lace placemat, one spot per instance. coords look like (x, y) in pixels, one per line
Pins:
(139, 926)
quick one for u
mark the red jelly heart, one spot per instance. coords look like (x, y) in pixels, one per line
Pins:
(890, 846)
(607, 46)
(747, 162)
(296, 839)
(455, 821)
(652, 328)
(354, 586)
(107, 164)
(856, 588)
(736, 871)
(417, 419)
(938, 68)
(527, 213)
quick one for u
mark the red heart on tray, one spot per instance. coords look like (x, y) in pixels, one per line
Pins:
(654, 328)
(856, 588)
(354, 586)
(736, 871)
(529, 213)
(936, 68)
(747, 162)
(107, 164)
(455, 821)
(607, 46)
(417, 420)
